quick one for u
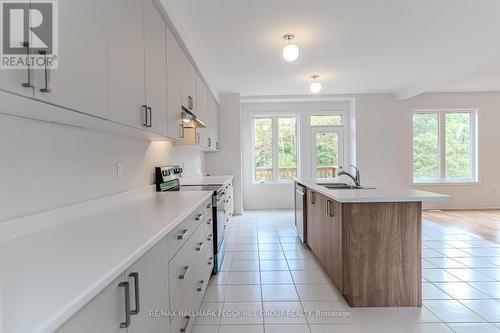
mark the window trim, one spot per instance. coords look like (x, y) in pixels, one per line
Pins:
(275, 157)
(474, 158)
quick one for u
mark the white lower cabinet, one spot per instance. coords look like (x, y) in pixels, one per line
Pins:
(141, 299)
(132, 303)
(103, 314)
(190, 271)
(149, 293)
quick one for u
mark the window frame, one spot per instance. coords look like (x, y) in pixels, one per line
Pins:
(474, 156)
(275, 156)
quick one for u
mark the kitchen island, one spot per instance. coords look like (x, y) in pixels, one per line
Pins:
(368, 241)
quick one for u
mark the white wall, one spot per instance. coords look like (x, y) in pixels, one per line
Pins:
(384, 141)
(228, 159)
(45, 166)
(383, 150)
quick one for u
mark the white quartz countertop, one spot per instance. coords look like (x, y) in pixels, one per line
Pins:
(206, 180)
(48, 275)
(377, 194)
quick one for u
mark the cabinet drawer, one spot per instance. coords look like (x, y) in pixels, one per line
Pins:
(180, 234)
(183, 324)
(184, 271)
(208, 263)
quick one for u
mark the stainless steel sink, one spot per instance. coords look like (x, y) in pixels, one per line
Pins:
(343, 186)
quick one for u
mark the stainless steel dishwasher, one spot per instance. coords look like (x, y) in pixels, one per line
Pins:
(300, 211)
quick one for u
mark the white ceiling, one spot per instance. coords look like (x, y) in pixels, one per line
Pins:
(355, 46)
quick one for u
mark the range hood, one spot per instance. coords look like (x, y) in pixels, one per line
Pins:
(189, 119)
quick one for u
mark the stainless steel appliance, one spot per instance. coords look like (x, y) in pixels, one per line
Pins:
(167, 179)
(300, 211)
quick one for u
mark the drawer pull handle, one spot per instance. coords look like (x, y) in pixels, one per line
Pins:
(200, 246)
(186, 324)
(209, 221)
(200, 287)
(135, 275)
(182, 234)
(210, 261)
(199, 217)
(126, 323)
(209, 238)
(183, 275)
(209, 205)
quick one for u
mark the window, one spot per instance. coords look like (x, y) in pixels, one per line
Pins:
(327, 145)
(263, 149)
(335, 120)
(275, 148)
(444, 146)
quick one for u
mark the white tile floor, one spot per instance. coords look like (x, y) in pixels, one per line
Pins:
(271, 283)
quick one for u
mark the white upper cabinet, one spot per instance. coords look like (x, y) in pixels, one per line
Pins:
(127, 91)
(175, 62)
(202, 111)
(188, 84)
(18, 81)
(213, 124)
(80, 81)
(201, 99)
(119, 61)
(156, 68)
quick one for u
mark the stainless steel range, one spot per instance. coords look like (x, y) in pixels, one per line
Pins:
(167, 179)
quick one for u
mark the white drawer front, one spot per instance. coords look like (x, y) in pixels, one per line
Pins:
(180, 234)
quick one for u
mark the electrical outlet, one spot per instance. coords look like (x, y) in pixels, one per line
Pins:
(119, 170)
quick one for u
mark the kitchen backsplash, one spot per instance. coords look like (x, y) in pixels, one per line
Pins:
(45, 166)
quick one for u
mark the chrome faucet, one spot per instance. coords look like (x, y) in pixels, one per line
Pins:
(356, 178)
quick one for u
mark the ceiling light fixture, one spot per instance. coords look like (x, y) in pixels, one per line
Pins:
(290, 51)
(315, 85)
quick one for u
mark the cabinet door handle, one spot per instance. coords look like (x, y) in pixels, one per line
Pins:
(313, 198)
(183, 275)
(199, 217)
(182, 234)
(186, 324)
(182, 131)
(135, 276)
(329, 208)
(209, 142)
(150, 121)
(209, 206)
(216, 145)
(200, 287)
(29, 83)
(47, 88)
(200, 246)
(210, 261)
(197, 137)
(209, 221)
(145, 110)
(209, 238)
(126, 323)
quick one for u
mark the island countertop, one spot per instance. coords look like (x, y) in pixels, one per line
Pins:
(376, 194)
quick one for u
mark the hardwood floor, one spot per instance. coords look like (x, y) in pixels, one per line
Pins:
(485, 223)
